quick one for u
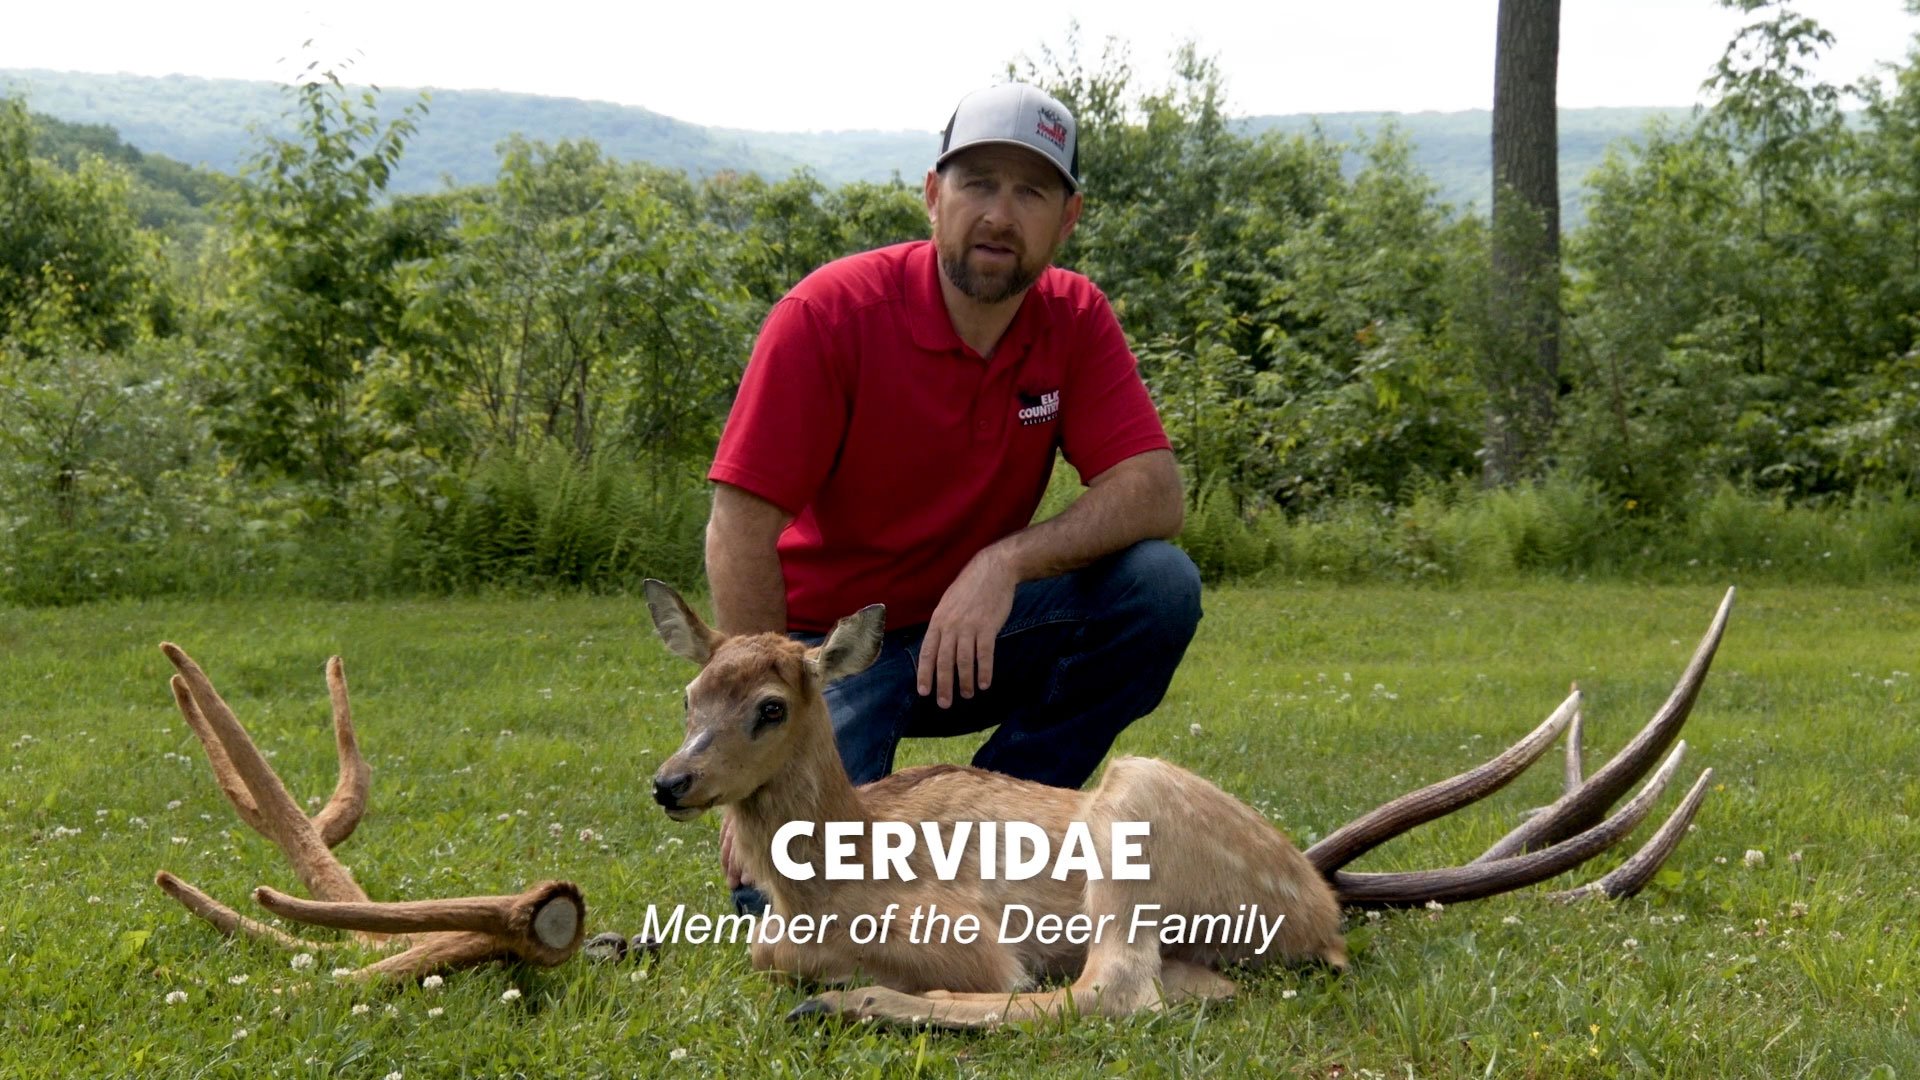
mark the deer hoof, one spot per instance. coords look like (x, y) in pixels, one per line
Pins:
(811, 1007)
(606, 948)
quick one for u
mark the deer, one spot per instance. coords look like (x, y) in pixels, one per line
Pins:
(759, 745)
(542, 925)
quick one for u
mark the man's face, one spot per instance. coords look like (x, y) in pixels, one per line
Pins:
(999, 213)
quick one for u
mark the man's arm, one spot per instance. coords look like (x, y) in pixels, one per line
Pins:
(743, 562)
(1137, 499)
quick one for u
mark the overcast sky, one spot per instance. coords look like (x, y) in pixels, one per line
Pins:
(795, 66)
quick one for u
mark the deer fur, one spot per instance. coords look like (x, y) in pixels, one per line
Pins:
(1209, 853)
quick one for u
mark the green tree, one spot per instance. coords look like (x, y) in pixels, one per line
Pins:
(312, 298)
(74, 264)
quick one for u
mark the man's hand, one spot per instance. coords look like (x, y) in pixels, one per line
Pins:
(960, 636)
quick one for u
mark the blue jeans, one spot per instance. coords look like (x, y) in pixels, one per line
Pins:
(1081, 656)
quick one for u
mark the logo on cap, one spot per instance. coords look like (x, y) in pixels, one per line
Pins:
(1053, 127)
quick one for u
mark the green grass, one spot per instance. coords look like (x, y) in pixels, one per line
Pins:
(490, 722)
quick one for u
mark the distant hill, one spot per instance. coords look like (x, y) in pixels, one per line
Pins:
(205, 122)
(1455, 149)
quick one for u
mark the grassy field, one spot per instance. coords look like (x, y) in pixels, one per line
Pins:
(513, 740)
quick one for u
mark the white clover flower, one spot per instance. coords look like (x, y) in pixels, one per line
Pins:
(432, 982)
(435, 1011)
(341, 973)
(1289, 994)
(179, 839)
(395, 1075)
(237, 980)
(677, 1053)
(1435, 905)
(1630, 944)
(392, 1009)
(1755, 858)
(177, 997)
(93, 899)
(301, 961)
(239, 1033)
(362, 1009)
(504, 817)
(1797, 910)
(510, 994)
(1511, 920)
(1679, 918)
(588, 836)
(173, 804)
(1194, 730)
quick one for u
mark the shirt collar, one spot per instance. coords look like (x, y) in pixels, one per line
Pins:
(932, 327)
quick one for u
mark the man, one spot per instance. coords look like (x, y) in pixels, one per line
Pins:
(893, 434)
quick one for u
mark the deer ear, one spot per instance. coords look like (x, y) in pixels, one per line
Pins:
(678, 626)
(854, 644)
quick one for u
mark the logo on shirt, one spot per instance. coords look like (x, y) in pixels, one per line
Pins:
(1039, 408)
(1053, 126)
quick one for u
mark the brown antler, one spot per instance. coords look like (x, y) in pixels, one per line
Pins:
(543, 925)
(1555, 839)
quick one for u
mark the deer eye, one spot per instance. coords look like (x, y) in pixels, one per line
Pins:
(771, 712)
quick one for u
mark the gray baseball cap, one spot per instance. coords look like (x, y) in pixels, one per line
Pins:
(1015, 114)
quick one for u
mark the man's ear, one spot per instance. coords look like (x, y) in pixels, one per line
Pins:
(853, 645)
(678, 626)
(1070, 215)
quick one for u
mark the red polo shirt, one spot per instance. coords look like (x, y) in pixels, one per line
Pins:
(898, 449)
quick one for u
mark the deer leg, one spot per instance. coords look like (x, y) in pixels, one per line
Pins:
(1120, 980)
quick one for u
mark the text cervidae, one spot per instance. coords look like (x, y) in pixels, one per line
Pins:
(759, 744)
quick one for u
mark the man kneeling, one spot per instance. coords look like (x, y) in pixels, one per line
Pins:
(892, 437)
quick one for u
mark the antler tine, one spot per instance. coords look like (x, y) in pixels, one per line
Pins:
(1631, 876)
(227, 920)
(1475, 880)
(1573, 746)
(285, 824)
(1376, 827)
(543, 924)
(230, 783)
(1586, 804)
(337, 820)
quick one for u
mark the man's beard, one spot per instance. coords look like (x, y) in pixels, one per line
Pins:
(988, 288)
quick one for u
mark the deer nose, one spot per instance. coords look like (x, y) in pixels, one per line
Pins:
(667, 790)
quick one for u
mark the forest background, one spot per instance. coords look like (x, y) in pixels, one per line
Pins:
(304, 379)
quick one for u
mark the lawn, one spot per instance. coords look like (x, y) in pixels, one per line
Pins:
(512, 740)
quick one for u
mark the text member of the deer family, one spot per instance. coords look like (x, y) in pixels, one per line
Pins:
(893, 434)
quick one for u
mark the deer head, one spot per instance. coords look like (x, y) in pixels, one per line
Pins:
(756, 705)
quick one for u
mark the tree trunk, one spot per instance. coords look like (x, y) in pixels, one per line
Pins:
(1524, 345)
